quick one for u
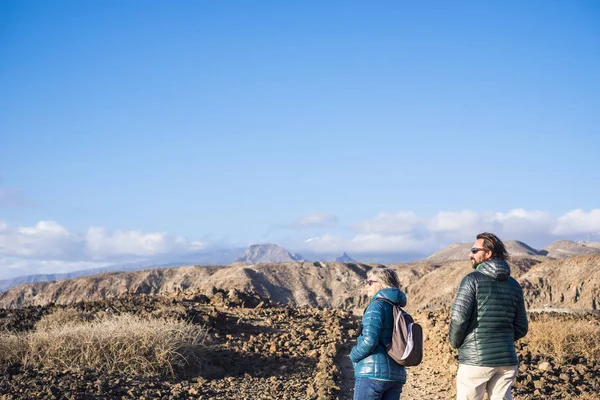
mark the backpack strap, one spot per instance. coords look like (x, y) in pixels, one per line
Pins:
(385, 300)
(406, 315)
(387, 345)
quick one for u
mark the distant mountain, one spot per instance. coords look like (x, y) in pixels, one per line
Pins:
(267, 253)
(8, 283)
(211, 257)
(517, 248)
(203, 258)
(300, 283)
(460, 251)
(568, 248)
(345, 258)
(454, 252)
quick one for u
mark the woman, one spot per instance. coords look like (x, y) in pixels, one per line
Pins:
(377, 375)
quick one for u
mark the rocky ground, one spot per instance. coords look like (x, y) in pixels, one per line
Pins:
(261, 350)
(257, 351)
(540, 376)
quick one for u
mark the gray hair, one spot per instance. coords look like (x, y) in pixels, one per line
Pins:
(384, 275)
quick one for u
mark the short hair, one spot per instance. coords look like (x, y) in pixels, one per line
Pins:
(495, 245)
(384, 275)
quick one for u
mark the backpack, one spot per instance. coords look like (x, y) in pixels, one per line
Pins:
(406, 347)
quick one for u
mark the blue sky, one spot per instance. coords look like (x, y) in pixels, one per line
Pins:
(133, 129)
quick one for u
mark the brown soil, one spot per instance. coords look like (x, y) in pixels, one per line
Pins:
(262, 350)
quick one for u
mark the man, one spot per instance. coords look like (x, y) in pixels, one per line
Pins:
(488, 316)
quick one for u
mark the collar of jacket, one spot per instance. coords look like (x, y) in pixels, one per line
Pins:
(497, 269)
(392, 294)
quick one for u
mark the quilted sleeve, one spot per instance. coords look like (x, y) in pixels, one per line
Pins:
(462, 310)
(520, 321)
(372, 322)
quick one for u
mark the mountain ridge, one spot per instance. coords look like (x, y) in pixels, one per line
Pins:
(546, 283)
(456, 252)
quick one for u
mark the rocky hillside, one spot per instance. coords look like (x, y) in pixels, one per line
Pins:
(267, 253)
(567, 248)
(568, 283)
(316, 284)
(437, 288)
(564, 283)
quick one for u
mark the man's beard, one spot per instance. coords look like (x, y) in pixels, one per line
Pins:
(473, 263)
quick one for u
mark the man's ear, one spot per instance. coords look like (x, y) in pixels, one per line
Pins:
(488, 255)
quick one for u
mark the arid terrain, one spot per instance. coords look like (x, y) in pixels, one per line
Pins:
(259, 350)
(280, 331)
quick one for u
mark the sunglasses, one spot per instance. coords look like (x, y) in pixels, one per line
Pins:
(474, 250)
(370, 282)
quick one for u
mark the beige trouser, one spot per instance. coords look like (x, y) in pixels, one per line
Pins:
(472, 382)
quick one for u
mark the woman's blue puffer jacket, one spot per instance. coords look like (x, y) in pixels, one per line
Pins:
(369, 356)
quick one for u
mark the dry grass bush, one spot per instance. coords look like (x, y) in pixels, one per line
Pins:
(13, 348)
(564, 338)
(62, 316)
(124, 344)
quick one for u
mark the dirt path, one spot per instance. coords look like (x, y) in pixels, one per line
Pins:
(422, 383)
(347, 385)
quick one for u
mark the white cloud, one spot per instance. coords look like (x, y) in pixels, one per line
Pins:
(578, 222)
(367, 243)
(406, 232)
(524, 225)
(48, 247)
(455, 222)
(99, 244)
(48, 240)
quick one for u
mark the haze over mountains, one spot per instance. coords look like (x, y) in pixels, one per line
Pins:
(548, 282)
(261, 253)
(217, 257)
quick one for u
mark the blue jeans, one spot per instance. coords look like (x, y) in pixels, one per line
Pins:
(372, 389)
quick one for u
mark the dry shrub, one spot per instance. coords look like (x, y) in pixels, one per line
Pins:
(13, 348)
(564, 338)
(60, 317)
(124, 344)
